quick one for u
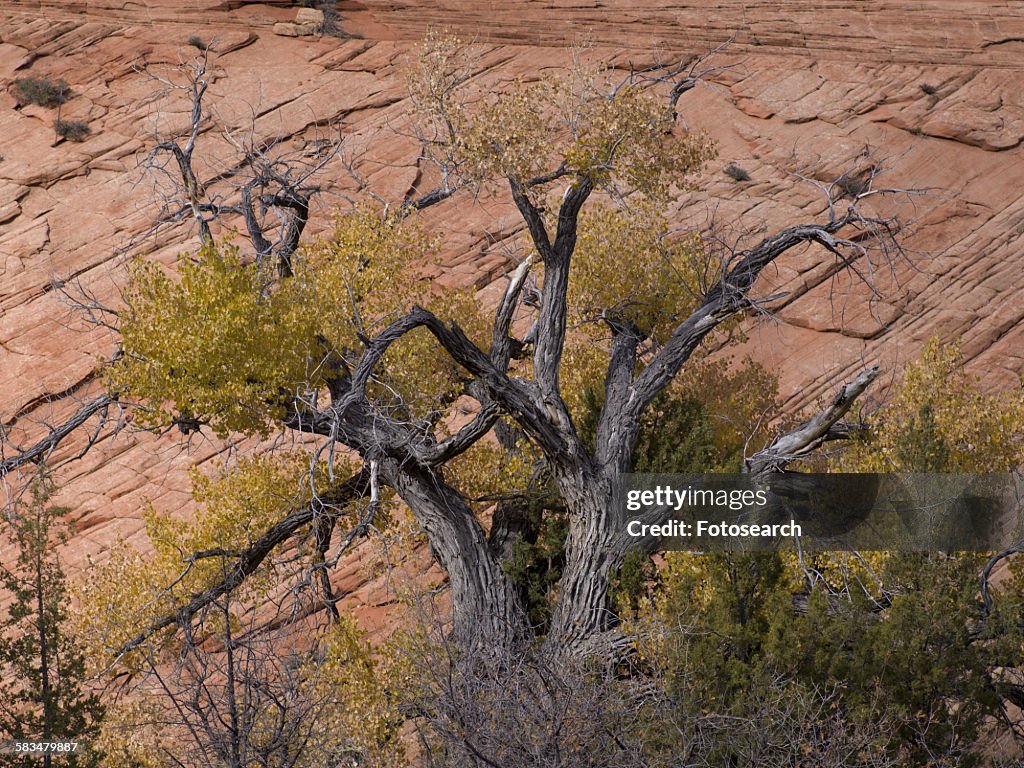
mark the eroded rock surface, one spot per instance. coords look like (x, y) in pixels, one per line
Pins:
(930, 90)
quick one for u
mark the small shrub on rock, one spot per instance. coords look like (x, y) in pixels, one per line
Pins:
(736, 173)
(41, 91)
(72, 130)
(852, 186)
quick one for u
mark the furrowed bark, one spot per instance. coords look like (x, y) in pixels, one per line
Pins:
(594, 550)
(593, 555)
(547, 356)
(485, 606)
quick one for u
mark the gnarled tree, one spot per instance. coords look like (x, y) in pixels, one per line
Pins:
(349, 344)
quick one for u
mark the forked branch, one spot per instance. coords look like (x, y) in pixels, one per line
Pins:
(45, 446)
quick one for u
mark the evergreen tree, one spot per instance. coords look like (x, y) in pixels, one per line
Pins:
(42, 671)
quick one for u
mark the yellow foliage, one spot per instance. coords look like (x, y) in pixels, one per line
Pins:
(937, 420)
(365, 276)
(418, 370)
(130, 738)
(228, 346)
(360, 714)
(438, 69)
(119, 597)
(216, 346)
(361, 277)
(122, 596)
(579, 118)
(742, 402)
(339, 686)
(627, 268)
(625, 134)
(511, 135)
(584, 363)
(486, 470)
(626, 131)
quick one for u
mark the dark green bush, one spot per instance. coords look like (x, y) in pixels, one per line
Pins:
(72, 130)
(736, 173)
(41, 91)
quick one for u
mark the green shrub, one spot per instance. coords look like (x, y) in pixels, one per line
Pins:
(907, 658)
(736, 173)
(41, 91)
(72, 130)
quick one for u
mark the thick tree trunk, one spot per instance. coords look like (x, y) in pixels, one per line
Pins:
(486, 608)
(593, 555)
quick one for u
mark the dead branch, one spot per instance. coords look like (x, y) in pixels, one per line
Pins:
(812, 434)
(43, 448)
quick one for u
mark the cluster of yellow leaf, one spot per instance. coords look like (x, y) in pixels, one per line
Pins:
(130, 736)
(578, 118)
(511, 135)
(439, 68)
(486, 471)
(216, 346)
(425, 377)
(237, 505)
(626, 131)
(584, 364)
(361, 717)
(935, 420)
(742, 402)
(228, 346)
(847, 573)
(938, 420)
(119, 597)
(362, 277)
(629, 269)
(339, 686)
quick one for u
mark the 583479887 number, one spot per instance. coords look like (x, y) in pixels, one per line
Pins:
(38, 747)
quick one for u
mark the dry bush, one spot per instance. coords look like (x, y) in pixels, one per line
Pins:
(72, 130)
(477, 708)
(42, 91)
(736, 173)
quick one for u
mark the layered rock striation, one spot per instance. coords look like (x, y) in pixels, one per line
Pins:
(929, 91)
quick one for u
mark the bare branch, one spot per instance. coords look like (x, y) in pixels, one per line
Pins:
(812, 434)
(547, 356)
(44, 447)
(501, 343)
(986, 573)
(249, 559)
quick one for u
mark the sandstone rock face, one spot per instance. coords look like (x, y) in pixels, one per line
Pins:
(309, 16)
(929, 89)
